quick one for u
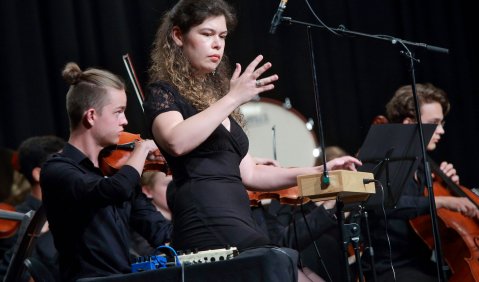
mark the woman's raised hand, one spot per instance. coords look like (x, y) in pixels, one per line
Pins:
(245, 86)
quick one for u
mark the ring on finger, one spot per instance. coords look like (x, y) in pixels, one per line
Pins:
(259, 83)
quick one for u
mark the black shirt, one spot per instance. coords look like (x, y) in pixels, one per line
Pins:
(407, 249)
(276, 220)
(207, 197)
(90, 215)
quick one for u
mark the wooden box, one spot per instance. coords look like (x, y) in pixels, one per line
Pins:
(349, 186)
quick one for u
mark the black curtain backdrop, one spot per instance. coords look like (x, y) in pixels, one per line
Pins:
(356, 76)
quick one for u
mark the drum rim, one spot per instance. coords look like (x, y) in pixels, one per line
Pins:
(292, 110)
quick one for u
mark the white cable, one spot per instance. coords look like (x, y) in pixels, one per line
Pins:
(386, 226)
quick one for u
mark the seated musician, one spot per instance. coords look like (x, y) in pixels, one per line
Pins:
(410, 258)
(32, 153)
(320, 250)
(90, 214)
(153, 185)
(14, 186)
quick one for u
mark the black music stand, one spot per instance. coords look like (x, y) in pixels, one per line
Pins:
(391, 152)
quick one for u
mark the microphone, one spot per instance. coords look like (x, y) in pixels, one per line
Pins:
(277, 17)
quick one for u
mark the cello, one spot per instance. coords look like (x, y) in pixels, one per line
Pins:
(459, 233)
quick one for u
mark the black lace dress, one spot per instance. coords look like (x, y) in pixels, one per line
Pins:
(207, 197)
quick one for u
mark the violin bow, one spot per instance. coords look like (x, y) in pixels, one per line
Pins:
(134, 79)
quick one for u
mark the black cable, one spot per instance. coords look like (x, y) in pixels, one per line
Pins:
(315, 245)
(300, 261)
(320, 21)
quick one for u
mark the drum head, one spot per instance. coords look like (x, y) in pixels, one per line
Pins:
(295, 144)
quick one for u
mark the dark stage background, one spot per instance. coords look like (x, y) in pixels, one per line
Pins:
(356, 76)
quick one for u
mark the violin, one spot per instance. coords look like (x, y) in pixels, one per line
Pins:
(8, 227)
(112, 158)
(289, 196)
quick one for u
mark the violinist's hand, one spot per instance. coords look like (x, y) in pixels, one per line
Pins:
(142, 150)
(346, 162)
(450, 171)
(147, 145)
(458, 204)
(244, 87)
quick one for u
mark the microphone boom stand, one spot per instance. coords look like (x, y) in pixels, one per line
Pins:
(343, 31)
(325, 178)
(441, 268)
(349, 233)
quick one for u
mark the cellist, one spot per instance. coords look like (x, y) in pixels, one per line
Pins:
(402, 256)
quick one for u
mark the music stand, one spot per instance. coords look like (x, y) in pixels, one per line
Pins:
(391, 152)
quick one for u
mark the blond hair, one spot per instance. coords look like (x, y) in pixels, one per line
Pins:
(87, 90)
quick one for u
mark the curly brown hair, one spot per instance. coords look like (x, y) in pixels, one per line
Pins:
(169, 64)
(401, 106)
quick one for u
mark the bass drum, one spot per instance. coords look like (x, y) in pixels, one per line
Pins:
(275, 127)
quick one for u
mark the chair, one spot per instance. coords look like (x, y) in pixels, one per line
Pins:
(29, 231)
(38, 271)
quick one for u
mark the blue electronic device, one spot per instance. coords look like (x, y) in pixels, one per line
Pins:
(148, 263)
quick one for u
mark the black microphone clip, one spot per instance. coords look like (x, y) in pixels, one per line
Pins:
(278, 16)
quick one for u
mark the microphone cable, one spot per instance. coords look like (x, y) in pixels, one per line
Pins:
(319, 20)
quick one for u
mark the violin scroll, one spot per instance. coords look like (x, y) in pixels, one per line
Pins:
(380, 119)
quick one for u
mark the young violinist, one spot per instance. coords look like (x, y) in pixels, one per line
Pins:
(192, 110)
(89, 213)
(410, 258)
